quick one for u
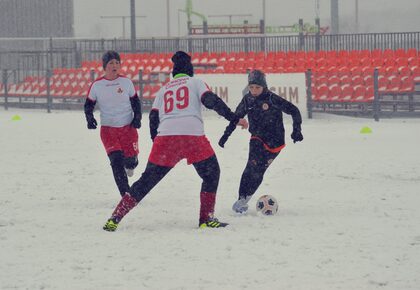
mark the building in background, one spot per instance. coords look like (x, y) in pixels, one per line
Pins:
(36, 18)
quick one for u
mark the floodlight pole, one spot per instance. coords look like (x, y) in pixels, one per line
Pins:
(133, 24)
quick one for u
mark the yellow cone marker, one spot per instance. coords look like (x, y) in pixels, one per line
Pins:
(365, 130)
(16, 118)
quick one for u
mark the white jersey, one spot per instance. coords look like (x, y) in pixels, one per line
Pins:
(113, 100)
(179, 105)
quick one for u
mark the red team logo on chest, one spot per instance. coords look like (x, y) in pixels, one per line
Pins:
(120, 90)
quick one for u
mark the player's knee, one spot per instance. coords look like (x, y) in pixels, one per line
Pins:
(211, 178)
(116, 158)
(131, 162)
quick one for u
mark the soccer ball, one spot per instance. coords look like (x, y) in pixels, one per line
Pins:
(267, 205)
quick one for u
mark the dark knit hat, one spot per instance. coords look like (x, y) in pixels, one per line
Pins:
(182, 64)
(257, 77)
(108, 56)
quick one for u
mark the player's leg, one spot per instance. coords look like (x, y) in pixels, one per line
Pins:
(118, 170)
(130, 163)
(209, 170)
(129, 143)
(161, 160)
(149, 179)
(110, 140)
(259, 159)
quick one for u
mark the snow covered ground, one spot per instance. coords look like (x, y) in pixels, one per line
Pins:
(349, 213)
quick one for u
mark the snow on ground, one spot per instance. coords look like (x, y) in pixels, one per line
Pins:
(348, 219)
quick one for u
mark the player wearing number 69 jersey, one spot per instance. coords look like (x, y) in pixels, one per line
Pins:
(177, 131)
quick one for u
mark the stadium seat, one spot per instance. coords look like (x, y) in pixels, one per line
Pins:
(407, 85)
(321, 93)
(346, 93)
(415, 72)
(357, 79)
(382, 83)
(334, 93)
(369, 94)
(393, 84)
(404, 71)
(359, 93)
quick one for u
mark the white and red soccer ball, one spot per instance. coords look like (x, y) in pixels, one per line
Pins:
(267, 205)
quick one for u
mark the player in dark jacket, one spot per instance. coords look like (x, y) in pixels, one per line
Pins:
(265, 116)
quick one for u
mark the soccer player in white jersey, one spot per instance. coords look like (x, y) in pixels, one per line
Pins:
(176, 127)
(120, 113)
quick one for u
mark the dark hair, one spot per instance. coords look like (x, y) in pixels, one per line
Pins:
(182, 64)
(257, 77)
(108, 56)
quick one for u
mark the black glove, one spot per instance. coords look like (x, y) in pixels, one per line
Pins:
(153, 134)
(296, 135)
(136, 123)
(223, 140)
(91, 122)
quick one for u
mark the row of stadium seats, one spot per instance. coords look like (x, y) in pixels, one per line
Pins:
(347, 93)
(398, 70)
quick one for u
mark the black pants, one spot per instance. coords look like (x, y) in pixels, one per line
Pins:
(118, 164)
(259, 159)
(208, 170)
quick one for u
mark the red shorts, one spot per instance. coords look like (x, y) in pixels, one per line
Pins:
(169, 150)
(123, 139)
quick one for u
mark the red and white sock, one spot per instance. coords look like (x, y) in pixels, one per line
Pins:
(207, 202)
(126, 204)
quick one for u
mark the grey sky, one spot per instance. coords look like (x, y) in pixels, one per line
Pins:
(374, 15)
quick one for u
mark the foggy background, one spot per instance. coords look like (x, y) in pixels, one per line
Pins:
(373, 15)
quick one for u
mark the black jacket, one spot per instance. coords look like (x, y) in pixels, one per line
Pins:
(265, 116)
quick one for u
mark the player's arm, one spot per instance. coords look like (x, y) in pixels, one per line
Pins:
(153, 123)
(241, 111)
(212, 101)
(89, 107)
(289, 108)
(136, 106)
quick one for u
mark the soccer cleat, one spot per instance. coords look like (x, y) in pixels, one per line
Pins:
(130, 172)
(212, 223)
(241, 205)
(111, 225)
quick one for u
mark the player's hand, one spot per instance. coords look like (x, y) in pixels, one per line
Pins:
(136, 123)
(243, 123)
(296, 136)
(91, 123)
(223, 140)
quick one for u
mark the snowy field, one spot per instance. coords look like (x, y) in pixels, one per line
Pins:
(349, 215)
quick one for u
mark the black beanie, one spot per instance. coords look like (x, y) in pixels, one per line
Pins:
(182, 64)
(108, 56)
(257, 77)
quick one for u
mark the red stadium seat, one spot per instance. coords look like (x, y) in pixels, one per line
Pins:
(334, 93)
(346, 93)
(393, 84)
(359, 93)
(407, 85)
(357, 80)
(382, 83)
(416, 74)
(321, 93)
(404, 71)
(370, 94)
(333, 80)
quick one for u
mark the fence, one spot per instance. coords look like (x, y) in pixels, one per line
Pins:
(44, 93)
